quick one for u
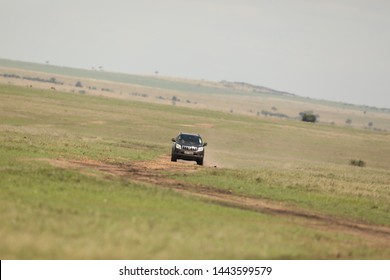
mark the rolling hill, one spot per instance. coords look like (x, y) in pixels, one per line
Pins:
(233, 97)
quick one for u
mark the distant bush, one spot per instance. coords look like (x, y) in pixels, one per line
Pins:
(36, 79)
(79, 84)
(139, 94)
(272, 114)
(357, 162)
(11, 76)
(308, 116)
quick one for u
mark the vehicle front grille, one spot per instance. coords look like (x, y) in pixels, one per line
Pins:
(189, 148)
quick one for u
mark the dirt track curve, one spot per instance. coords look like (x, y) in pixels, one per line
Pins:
(151, 172)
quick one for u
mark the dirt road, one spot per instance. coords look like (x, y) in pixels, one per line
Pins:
(151, 172)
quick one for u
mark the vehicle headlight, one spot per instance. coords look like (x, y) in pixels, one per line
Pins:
(178, 146)
(200, 149)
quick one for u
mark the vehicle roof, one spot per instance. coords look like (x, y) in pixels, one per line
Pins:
(192, 134)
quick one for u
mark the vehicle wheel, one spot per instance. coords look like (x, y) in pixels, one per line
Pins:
(200, 161)
(173, 157)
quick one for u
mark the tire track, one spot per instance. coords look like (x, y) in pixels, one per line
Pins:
(151, 172)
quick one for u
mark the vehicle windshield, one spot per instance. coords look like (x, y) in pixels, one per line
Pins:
(192, 139)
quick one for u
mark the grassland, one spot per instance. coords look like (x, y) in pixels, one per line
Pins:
(232, 97)
(315, 204)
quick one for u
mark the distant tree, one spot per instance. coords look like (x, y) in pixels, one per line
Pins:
(174, 100)
(348, 121)
(370, 124)
(79, 84)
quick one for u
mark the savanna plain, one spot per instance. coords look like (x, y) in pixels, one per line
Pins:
(86, 176)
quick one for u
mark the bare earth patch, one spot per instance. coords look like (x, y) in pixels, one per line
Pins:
(152, 172)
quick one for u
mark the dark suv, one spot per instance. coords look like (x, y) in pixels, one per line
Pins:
(188, 146)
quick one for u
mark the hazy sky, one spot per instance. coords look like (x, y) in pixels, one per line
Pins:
(329, 49)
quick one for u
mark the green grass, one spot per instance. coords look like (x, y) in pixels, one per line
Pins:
(345, 192)
(47, 212)
(52, 213)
